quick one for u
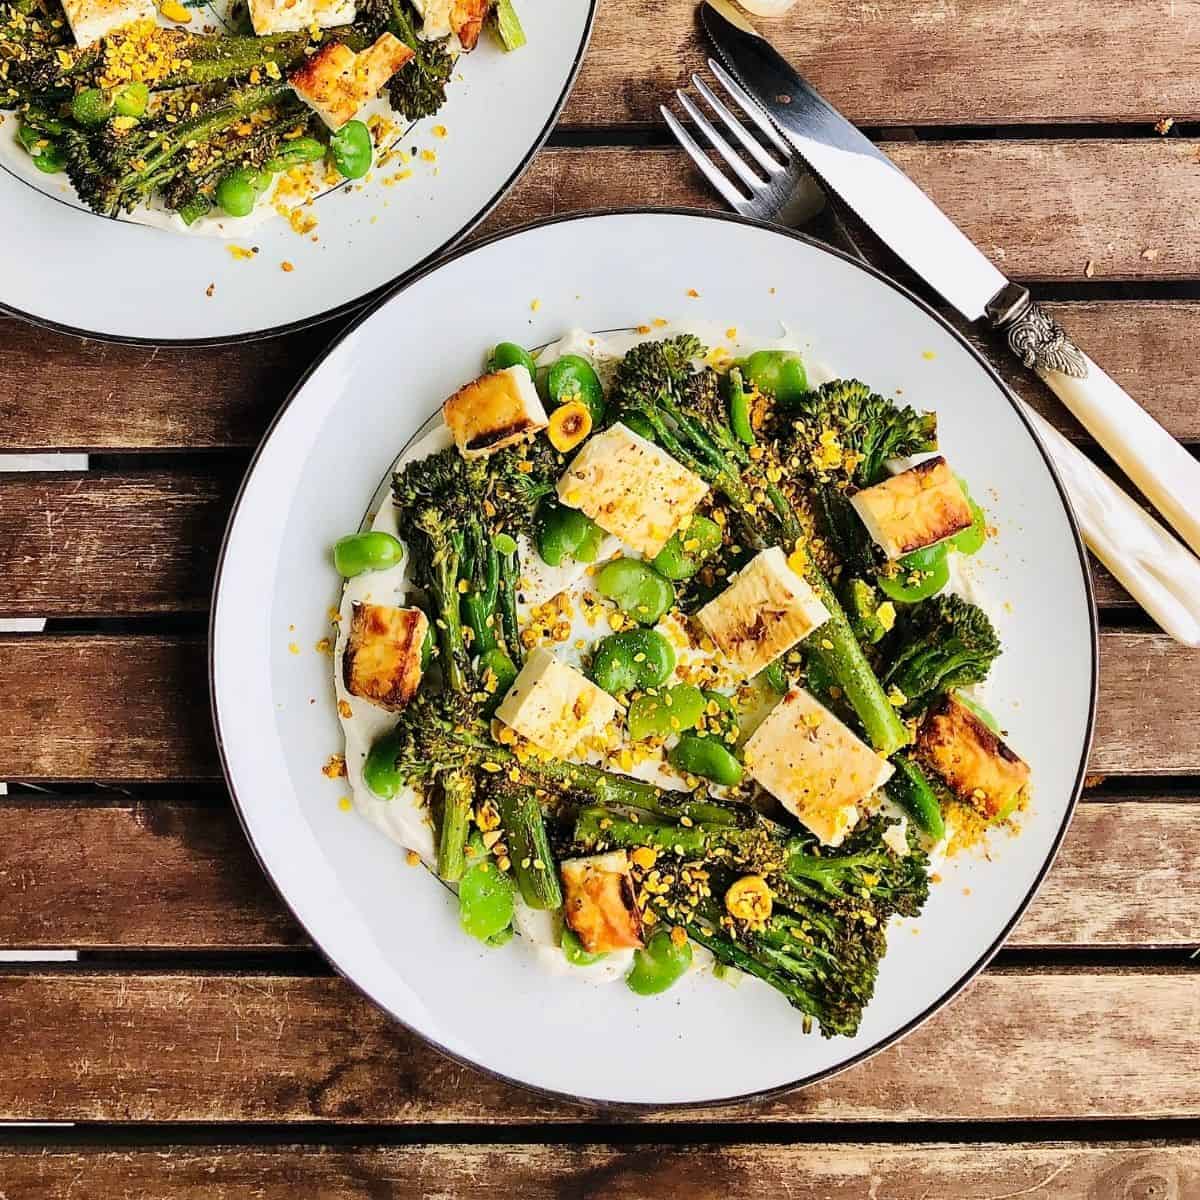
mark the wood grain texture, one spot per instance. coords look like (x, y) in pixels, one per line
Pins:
(214, 1048)
(937, 1171)
(1124, 877)
(123, 707)
(101, 544)
(59, 392)
(925, 62)
(1041, 209)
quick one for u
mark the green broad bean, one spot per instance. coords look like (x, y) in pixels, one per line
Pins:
(660, 965)
(47, 154)
(509, 354)
(775, 677)
(636, 658)
(239, 191)
(970, 540)
(352, 150)
(485, 897)
(687, 551)
(739, 408)
(379, 770)
(374, 550)
(296, 153)
(666, 711)
(131, 100)
(499, 664)
(572, 377)
(502, 938)
(92, 106)
(922, 574)
(564, 532)
(504, 544)
(779, 373)
(574, 952)
(637, 588)
(706, 757)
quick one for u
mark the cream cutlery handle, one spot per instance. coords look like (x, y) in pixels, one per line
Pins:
(1156, 569)
(1165, 472)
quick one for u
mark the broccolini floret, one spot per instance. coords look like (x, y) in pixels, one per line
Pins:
(943, 643)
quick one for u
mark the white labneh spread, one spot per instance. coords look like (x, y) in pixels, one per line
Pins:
(405, 819)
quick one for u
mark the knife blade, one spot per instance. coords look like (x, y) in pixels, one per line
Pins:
(885, 199)
(906, 220)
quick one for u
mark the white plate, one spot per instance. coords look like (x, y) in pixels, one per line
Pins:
(391, 929)
(85, 274)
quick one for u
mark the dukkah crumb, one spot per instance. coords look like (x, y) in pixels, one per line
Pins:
(335, 767)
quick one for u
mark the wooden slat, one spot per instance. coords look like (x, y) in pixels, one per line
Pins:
(100, 544)
(125, 707)
(1124, 877)
(1049, 206)
(928, 62)
(182, 1047)
(1042, 209)
(140, 543)
(987, 1171)
(61, 393)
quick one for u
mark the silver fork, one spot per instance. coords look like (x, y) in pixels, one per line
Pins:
(782, 189)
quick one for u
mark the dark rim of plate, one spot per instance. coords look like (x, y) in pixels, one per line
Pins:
(634, 1106)
(383, 291)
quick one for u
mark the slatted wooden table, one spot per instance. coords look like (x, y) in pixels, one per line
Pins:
(197, 1046)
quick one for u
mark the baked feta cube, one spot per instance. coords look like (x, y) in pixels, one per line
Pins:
(763, 613)
(914, 509)
(598, 902)
(555, 706)
(975, 763)
(463, 18)
(336, 82)
(90, 20)
(382, 659)
(814, 765)
(631, 488)
(290, 16)
(494, 411)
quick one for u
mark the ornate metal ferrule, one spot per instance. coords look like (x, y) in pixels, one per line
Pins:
(1038, 340)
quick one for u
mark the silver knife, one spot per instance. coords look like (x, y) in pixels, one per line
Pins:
(907, 221)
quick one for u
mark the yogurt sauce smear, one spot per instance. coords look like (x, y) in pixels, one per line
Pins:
(406, 819)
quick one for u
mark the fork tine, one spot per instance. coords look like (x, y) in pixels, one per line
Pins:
(719, 144)
(747, 105)
(728, 192)
(735, 127)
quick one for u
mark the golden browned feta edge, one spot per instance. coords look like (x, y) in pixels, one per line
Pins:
(496, 410)
(599, 903)
(913, 509)
(382, 659)
(336, 82)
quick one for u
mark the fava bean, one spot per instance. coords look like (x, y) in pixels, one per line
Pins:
(91, 106)
(779, 373)
(666, 711)
(131, 100)
(574, 952)
(47, 155)
(921, 574)
(509, 354)
(485, 897)
(658, 966)
(637, 588)
(380, 773)
(352, 149)
(564, 532)
(637, 658)
(686, 551)
(372, 551)
(706, 757)
(296, 153)
(239, 191)
(572, 377)
(971, 539)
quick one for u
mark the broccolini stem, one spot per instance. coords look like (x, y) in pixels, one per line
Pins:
(458, 792)
(596, 826)
(529, 848)
(910, 789)
(509, 576)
